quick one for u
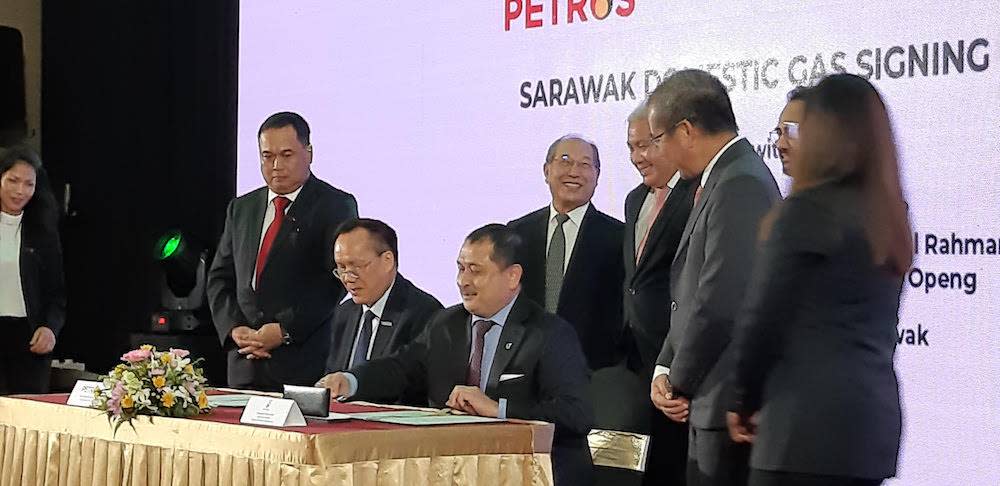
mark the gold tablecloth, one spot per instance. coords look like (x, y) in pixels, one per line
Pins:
(52, 444)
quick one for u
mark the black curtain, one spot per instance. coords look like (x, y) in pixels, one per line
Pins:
(139, 123)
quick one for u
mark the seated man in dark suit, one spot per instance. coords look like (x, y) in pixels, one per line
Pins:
(496, 355)
(572, 252)
(385, 311)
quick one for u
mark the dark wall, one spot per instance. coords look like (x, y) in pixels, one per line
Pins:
(139, 122)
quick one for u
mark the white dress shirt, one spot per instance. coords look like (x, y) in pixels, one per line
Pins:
(642, 221)
(11, 294)
(571, 228)
(377, 308)
(665, 370)
(715, 160)
(269, 218)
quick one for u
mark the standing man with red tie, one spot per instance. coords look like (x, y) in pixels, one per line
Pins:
(269, 287)
(655, 214)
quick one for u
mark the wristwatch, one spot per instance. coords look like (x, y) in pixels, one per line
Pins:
(286, 338)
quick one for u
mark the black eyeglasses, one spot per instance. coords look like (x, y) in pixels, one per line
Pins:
(656, 139)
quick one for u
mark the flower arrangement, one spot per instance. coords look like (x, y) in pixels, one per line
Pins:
(151, 382)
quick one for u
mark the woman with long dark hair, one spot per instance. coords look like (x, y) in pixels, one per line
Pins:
(815, 385)
(32, 292)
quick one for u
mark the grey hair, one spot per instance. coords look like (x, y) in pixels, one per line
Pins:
(572, 136)
(639, 113)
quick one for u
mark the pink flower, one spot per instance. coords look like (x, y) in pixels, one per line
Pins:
(115, 403)
(136, 355)
(190, 388)
(180, 353)
(156, 372)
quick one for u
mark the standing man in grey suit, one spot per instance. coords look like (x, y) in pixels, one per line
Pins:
(693, 124)
(572, 261)
(385, 311)
(655, 214)
(269, 286)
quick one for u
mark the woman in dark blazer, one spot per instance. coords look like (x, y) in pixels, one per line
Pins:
(32, 292)
(815, 386)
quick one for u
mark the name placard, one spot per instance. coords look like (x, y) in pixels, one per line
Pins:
(272, 412)
(83, 393)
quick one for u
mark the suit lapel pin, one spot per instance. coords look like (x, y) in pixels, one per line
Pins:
(508, 345)
(385, 323)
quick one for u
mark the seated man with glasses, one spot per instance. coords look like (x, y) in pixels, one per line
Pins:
(786, 135)
(385, 311)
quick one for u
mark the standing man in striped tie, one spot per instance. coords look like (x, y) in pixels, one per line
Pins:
(270, 287)
(655, 214)
(572, 251)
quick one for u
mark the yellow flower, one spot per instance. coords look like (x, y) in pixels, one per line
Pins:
(166, 358)
(159, 381)
(167, 400)
(147, 347)
(127, 401)
(202, 400)
(189, 369)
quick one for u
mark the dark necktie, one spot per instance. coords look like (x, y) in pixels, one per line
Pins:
(479, 329)
(555, 263)
(280, 203)
(364, 339)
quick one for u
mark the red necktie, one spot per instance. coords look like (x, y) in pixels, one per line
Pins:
(474, 375)
(661, 197)
(280, 203)
(697, 194)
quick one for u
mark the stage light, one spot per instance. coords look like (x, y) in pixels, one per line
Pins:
(182, 284)
(170, 246)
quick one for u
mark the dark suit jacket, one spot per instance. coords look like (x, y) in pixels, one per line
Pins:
(709, 278)
(647, 284)
(590, 298)
(42, 280)
(408, 309)
(296, 288)
(543, 347)
(816, 343)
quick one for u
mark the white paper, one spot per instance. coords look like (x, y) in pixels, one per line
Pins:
(439, 420)
(83, 393)
(333, 416)
(228, 400)
(272, 412)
